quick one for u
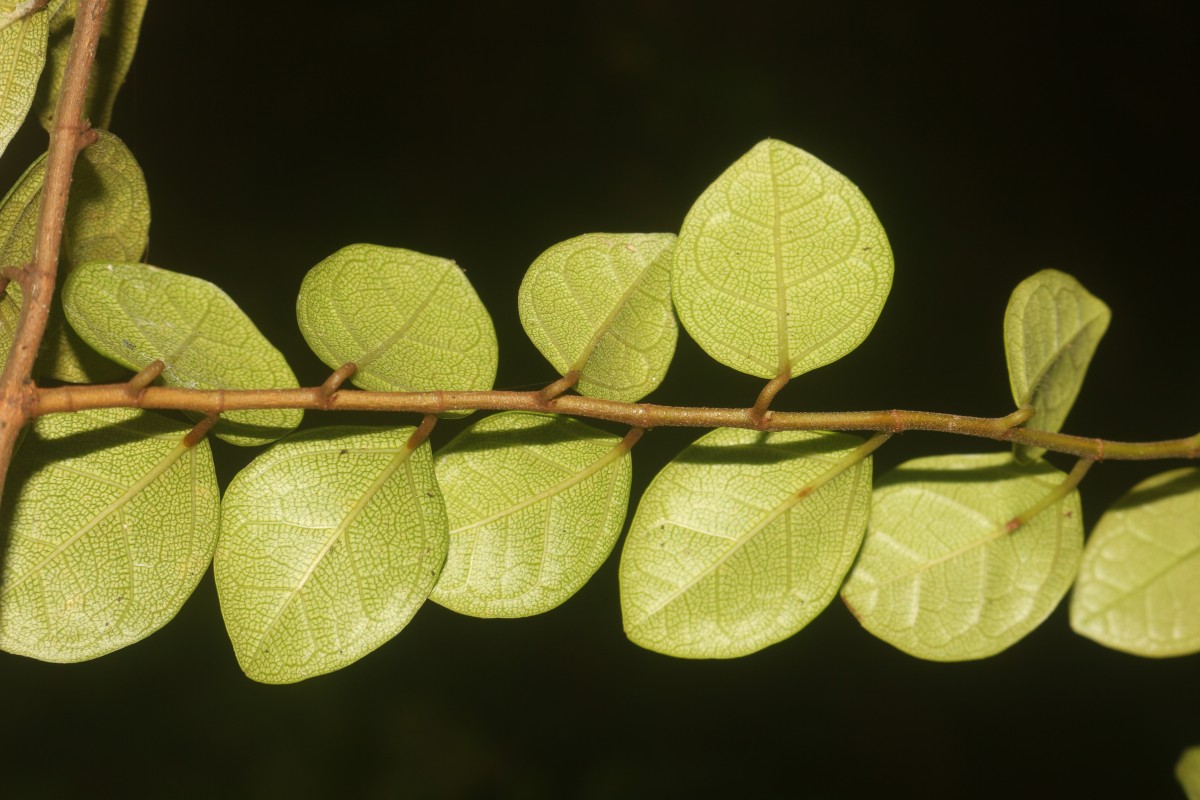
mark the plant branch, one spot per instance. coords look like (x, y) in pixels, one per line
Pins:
(641, 415)
(70, 135)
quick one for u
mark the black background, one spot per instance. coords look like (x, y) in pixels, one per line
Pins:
(992, 143)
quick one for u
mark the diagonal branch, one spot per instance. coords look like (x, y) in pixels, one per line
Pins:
(70, 135)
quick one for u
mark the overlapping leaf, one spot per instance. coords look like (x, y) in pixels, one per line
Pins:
(535, 504)
(943, 576)
(23, 35)
(601, 304)
(136, 314)
(742, 540)
(409, 321)
(118, 40)
(108, 218)
(1051, 329)
(331, 541)
(781, 265)
(1139, 582)
(111, 523)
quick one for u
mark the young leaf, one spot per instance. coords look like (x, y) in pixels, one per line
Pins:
(112, 522)
(108, 218)
(136, 314)
(118, 40)
(601, 304)
(411, 322)
(781, 266)
(1139, 583)
(22, 55)
(1051, 328)
(535, 503)
(742, 540)
(943, 575)
(331, 541)
(1187, 771)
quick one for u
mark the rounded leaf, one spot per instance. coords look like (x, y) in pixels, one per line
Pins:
(942, 574)
(1139, 584)
(1051, 329)
(601, 304)
(535, 504)
(111, 522)
(742, 540)
(136, 314)
(1187, 772)
(22, 55)
(331, 540)
(409, 321)
(781, 265)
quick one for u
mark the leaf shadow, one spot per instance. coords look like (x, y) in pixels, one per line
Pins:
(1184, 481)
(548, 432)
(989, 474)
(762, 451)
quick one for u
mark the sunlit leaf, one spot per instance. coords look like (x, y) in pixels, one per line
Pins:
(535, 504)
(22, 55)
(1187, 771)
(118, 40)
(108, 218)
(781, 265)
(942, 574)
(136, 314)
(1139, 583)
(112, 522)
(601, 303)
(742, 540)
(411, 322)
(331, 541)
(1051, 328)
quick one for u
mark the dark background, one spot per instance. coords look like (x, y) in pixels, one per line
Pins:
(992, 143)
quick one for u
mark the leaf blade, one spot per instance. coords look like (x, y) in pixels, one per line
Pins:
(22, 55)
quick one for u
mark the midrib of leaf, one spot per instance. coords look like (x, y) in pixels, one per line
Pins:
(854, 458)
(1141, 587)
(113, 507)
(1056, 358)
(367, 358)
(612, 455)
(603, 330)
(999, 532)
(785, 361)
(398, 460)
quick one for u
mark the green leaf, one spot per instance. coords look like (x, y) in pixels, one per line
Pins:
(118, 41)
(781, 266)
(22, 56)
(108, 218)
(411, 322)
(942, 575)
(1051, 328)
(601, 304)
(331, 541)
(1187, 771)
(1139, 583)
(535, 503)
(742, 540)
(112, 522)
(136, 314)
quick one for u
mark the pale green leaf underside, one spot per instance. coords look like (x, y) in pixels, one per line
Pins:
(941, 577)
(22, 55)
(1139, 582)
(411, 322)
(1051, 329)
(112, 524)
(136, 314)
(742, 540)
(535, 504)
(601, 303)
(118, 41)
(1187, 771)
(331, 541)
(781, 265)
(108, 219)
